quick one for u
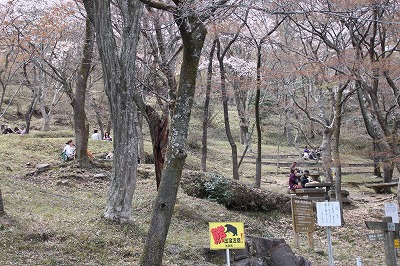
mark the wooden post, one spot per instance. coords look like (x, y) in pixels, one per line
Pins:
(296, 240)
(310, 237)
(390, 253)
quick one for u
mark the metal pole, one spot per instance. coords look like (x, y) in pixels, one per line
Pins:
(328, 233)
(390, 252)
(228, 259)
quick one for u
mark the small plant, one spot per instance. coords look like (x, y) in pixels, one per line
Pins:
(217, 189)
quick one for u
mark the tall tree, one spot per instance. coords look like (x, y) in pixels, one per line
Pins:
(221, 53)
(190, 20)
(374, 35)
(118, 65)
(164, 47)
(259, 41)
(78, 99)
(206, 110)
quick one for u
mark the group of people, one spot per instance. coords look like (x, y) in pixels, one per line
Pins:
(297, 179)
(68, 152)
(311, 154)
(96, 136)
(8, 130)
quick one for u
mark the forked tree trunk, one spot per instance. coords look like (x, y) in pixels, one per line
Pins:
(176, 151)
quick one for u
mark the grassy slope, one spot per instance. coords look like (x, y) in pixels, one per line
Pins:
(49, 223)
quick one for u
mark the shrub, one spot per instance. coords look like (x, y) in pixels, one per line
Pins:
(217, 189)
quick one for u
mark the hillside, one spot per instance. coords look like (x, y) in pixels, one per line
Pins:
(54, 218)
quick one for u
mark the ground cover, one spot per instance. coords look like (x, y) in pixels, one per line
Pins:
(54, 218)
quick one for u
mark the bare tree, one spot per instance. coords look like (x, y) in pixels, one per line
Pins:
(189, 18)
(118, 64)
(206, 111)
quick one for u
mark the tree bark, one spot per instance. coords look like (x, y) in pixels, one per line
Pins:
(206, 111)
(339, 101)
(81, 126)
(221, 55)
(118, 64)
(2, 212)
(34, 100)
(258, 119)
(193, 33)
(159, 138)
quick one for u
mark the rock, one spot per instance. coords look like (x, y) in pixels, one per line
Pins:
(63, 182)
(259, 252)
(100, 176)
(42, 168)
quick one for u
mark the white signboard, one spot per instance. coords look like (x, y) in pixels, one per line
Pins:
(392, 211)
(328, 213)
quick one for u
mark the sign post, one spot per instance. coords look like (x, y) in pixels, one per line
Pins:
(389, 230)
(227, 235)
(303, 220)
(328, 214)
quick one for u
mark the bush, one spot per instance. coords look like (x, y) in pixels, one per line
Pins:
(217, 189)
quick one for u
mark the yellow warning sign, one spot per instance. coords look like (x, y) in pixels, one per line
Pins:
(396, 243)
(226, 235)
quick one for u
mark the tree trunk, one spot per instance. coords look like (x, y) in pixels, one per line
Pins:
(118, 64)
(375, 157)
(258, 120)
(235, 168)
(206, 111)
(141, 152)
(45, 114)
(176, 151)
(2, 212)
(241, 107)
(34, 100)
(81, 126)
(326, 154)
(336, 145)
(99, 117)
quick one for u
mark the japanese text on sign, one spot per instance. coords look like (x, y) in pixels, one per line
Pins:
(226, 235)
(303, 215)
(392, 211)
(328, 214)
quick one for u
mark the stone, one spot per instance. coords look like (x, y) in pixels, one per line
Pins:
(42, 167)
(100, 176)
(63, 182)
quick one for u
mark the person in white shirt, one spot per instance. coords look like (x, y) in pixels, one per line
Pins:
(96, 135)
(69, 150)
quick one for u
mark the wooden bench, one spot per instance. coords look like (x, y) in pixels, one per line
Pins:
(310, 193)
(379, 187)
(345, 194)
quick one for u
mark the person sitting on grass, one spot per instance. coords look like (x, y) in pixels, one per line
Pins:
(107, 136)
(96, 135)
(68, 153)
